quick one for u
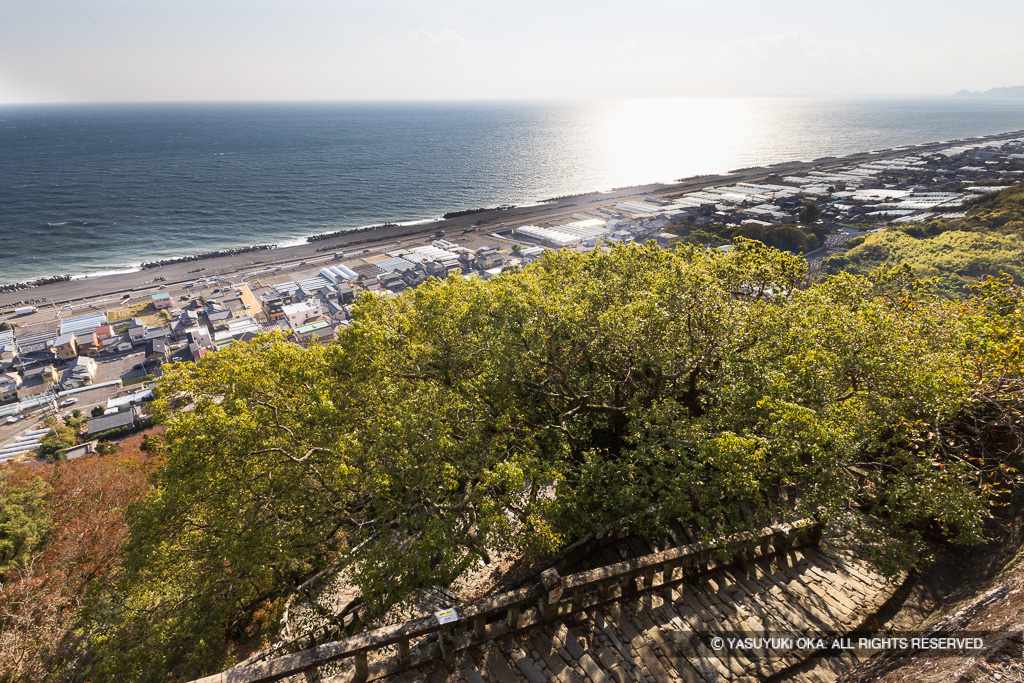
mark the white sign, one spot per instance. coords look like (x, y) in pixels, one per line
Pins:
(446, 616)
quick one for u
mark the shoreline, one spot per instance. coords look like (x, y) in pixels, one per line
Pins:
(64, 288)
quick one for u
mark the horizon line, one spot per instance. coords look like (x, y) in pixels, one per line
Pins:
(396, 100)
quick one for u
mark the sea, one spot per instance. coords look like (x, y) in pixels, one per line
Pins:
(92, 189)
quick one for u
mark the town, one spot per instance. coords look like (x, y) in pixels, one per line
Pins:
(101, 356)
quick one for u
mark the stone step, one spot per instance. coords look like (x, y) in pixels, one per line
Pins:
(665, 634)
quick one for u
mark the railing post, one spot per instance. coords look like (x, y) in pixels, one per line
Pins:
(513, 617)
(666, 580)
(447, 642)
(548, 607)
(404, 657)
(480, 626)
(362, 667)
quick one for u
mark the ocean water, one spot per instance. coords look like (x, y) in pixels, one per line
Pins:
(86, 189)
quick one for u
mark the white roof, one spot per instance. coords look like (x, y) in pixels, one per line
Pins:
(83, 323)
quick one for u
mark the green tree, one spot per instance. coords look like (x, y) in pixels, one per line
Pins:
(59, 438)
(97, 411)
(809, 214)
(586, 391)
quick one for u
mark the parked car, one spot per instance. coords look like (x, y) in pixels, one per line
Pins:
(183, 297)
(14, 418)
(68, 402)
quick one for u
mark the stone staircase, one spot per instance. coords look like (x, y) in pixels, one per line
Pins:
(664, 616)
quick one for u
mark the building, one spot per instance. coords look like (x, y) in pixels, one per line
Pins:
(47, 373)
(65, 347)
(8, 355)
(87, 448)
(162, 300)
(88, 344)
(156, 350)
(105, 423)
(215, 312)
(346, 294)
(136, 330)
(301, 313)
(10, 382)
(322, 330)
(273, 306)
(81, 372)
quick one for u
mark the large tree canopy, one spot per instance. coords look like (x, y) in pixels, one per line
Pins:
(587, 391)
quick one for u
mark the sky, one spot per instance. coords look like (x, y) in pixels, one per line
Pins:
(167, 50)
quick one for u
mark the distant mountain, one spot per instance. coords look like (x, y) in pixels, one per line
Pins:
(1015, 91)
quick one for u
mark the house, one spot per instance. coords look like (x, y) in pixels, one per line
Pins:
(81, 372)
(346, 293)
(335, 310)
(46, 373)
(156, 350)
(392, 281)
(87, 448)
(161, 300)
(117, 343)
(236, 307)
(188, 320)
(105, 423)
(8, 355)
(273, 306)
(301, 313)
(415, 277)
(136, 330)
(200, 337)
(163, 332)
(65, 347)
(320, 329)
(104, 331)
(88, 344)
(217, 313)
(489, 257)
(10, 382)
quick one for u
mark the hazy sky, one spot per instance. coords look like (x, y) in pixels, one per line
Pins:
(120, 50)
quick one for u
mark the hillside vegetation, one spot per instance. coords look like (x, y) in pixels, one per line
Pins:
(960, 253)
(519, 414)
(795, 239)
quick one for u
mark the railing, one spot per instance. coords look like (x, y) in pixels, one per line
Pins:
(427, 639)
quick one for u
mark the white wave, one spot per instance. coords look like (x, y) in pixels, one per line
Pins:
(420, 221)
(104, 273)
(292, 242)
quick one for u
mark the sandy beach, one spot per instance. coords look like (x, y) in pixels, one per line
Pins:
(478, 225)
